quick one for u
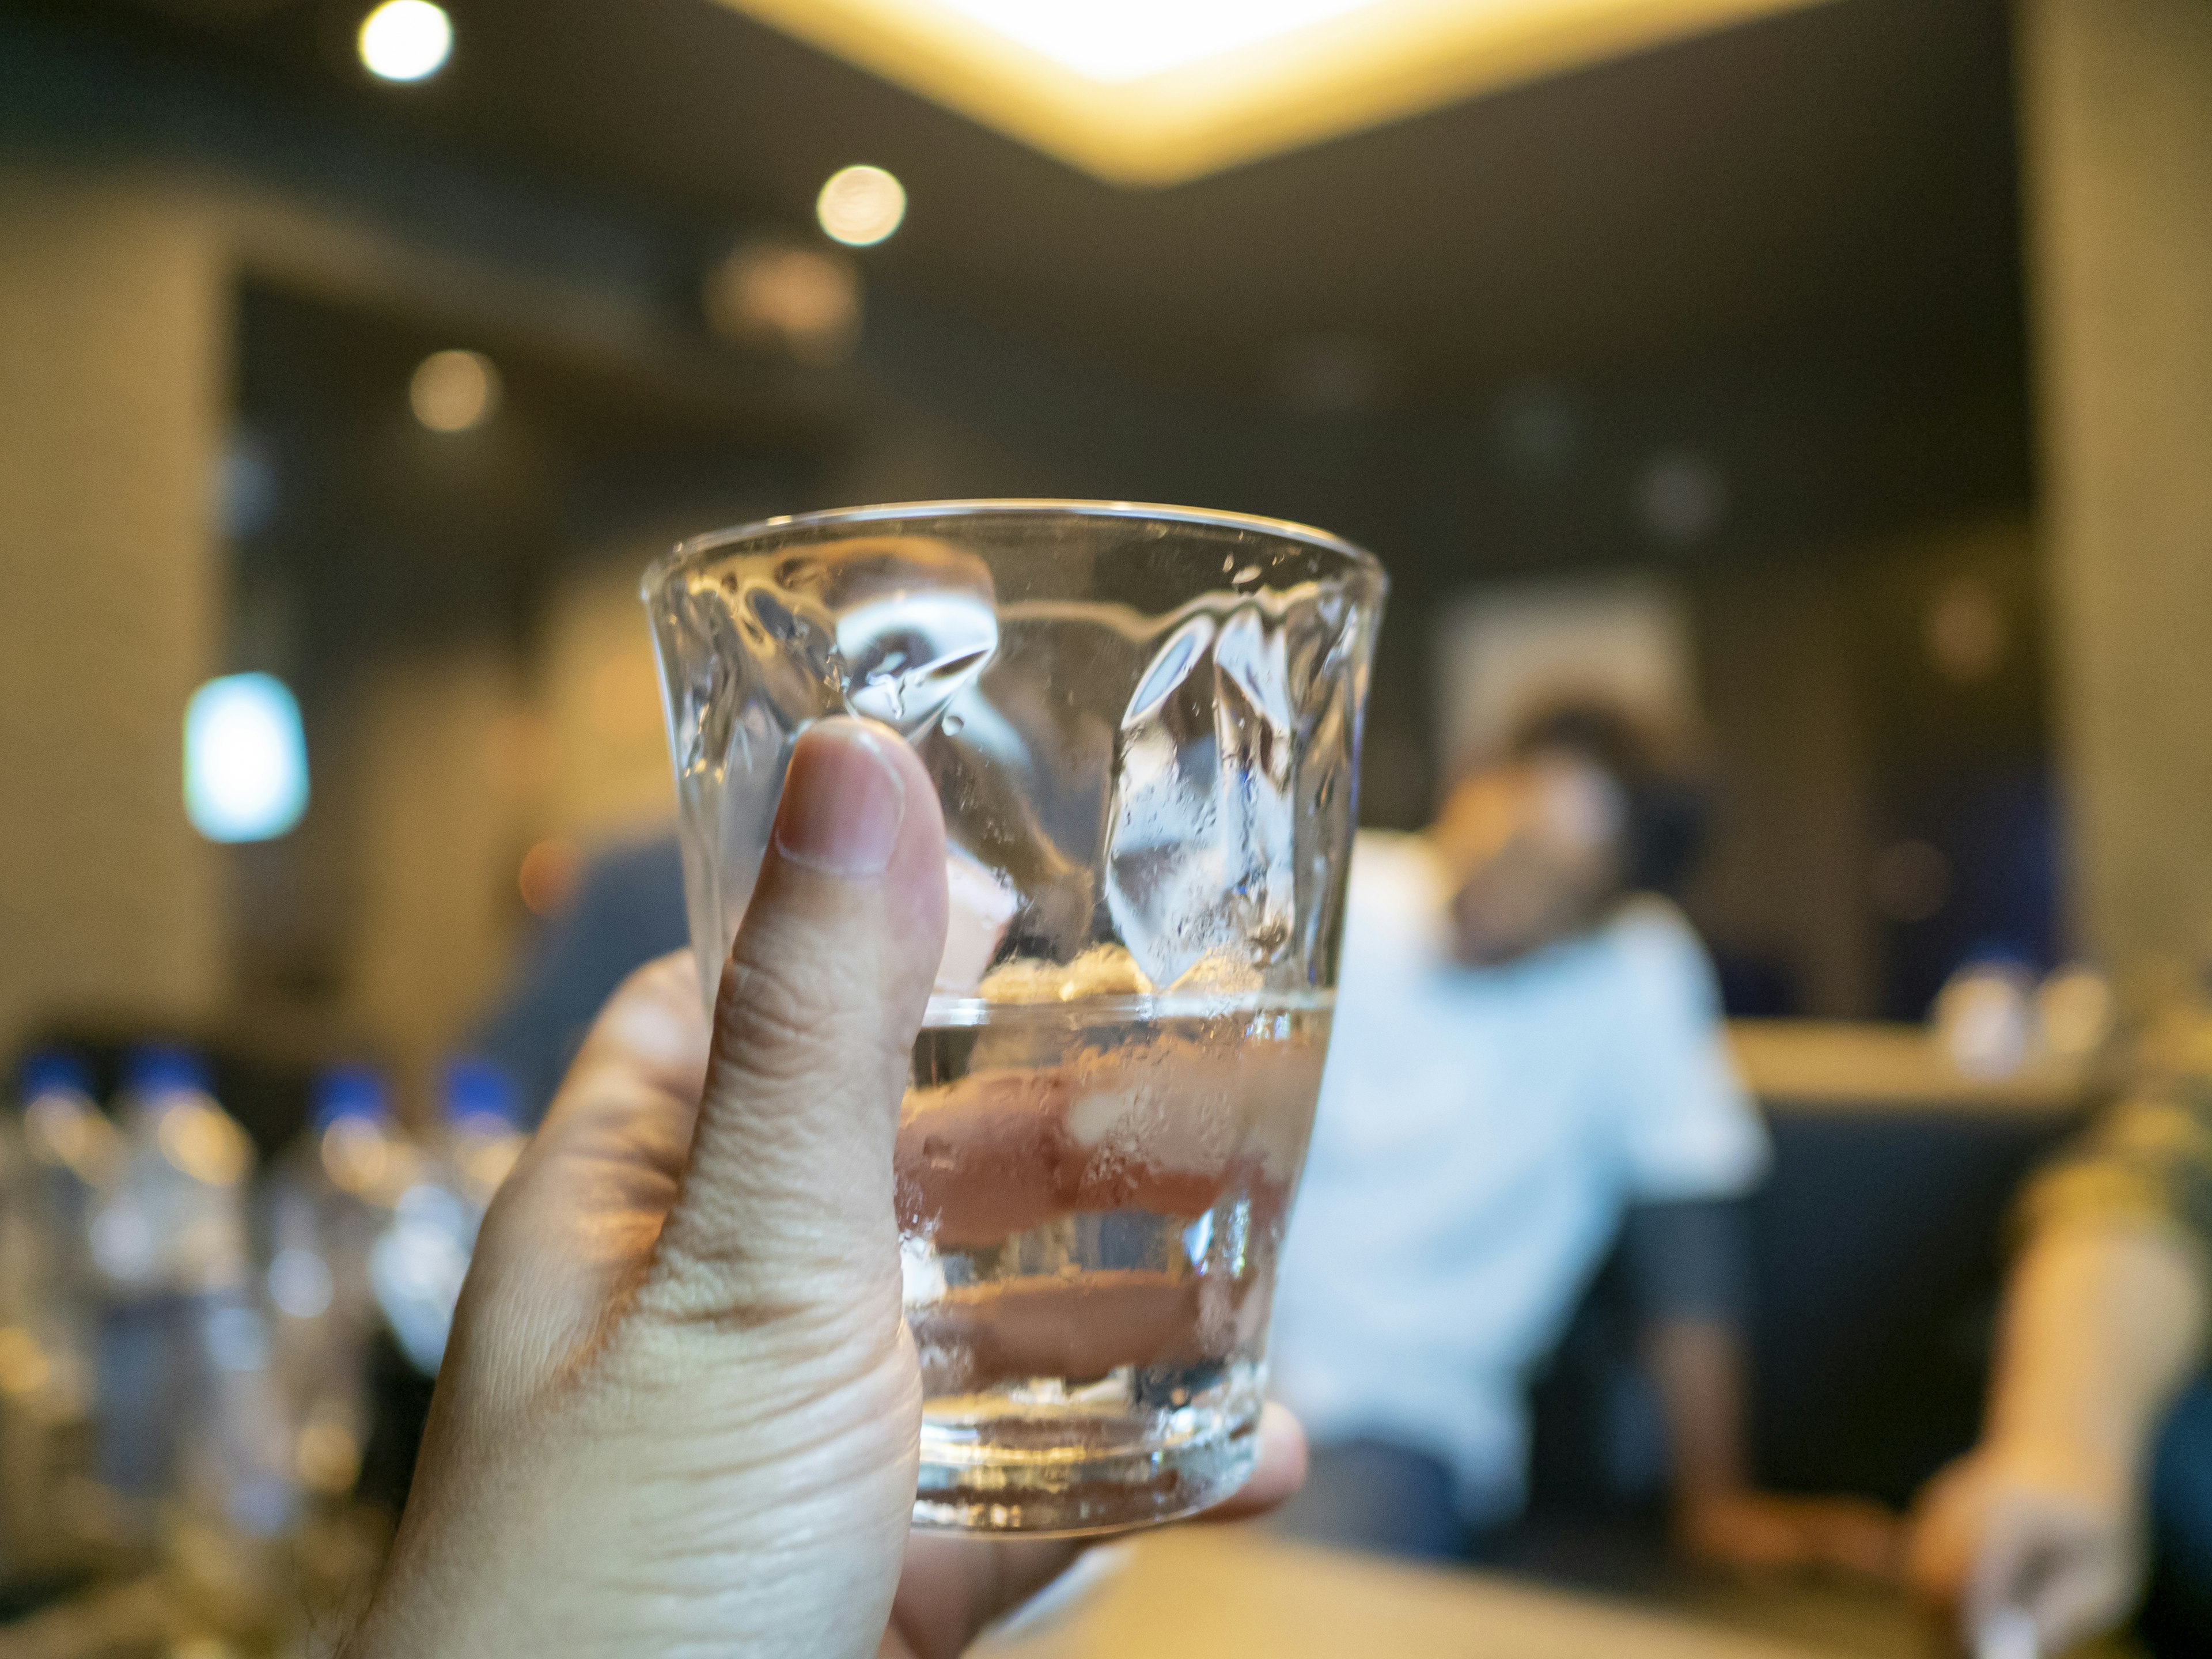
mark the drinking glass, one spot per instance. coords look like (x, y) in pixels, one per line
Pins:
(1143, 723)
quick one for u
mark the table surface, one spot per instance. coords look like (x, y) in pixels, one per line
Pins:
(1228, 1592)
(1876, 1065)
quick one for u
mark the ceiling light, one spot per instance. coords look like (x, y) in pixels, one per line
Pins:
(861, 206)
(1117, 40)
(454, 391)
(406, 40)
(1152, 91)
(246, 760)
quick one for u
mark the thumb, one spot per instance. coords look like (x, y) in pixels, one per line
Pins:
(785, 1202)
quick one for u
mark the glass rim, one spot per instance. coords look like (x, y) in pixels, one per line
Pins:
(694, 549)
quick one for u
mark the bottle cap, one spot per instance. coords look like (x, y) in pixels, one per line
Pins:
(54, 1071)
(477, 1087)
(356, 1091)
(162, 1067)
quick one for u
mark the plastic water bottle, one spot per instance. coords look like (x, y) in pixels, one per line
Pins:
(330, 1196)
(190, 1417)
(74, 1152)
(418, 1265)
(483, 1127)
(46, 1313)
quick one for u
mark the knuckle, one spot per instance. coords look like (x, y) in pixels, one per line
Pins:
(831, 1310)
(795, 1017)
(779, 1014)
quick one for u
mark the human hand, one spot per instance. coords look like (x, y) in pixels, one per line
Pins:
(2043, 1529)
(953, 1587)
(1767, 1531)
(680, 1408)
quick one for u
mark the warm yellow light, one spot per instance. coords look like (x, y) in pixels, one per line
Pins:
(860, 206)
(1117, 41)
(1153, 92)
(454, 391)
(405, 40)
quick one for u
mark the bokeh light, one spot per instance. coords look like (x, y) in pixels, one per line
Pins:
(454, 390)
(549, 874)
(1681, 498)
(1966, 632)
(860, 205)
(405, 40)
(806, 301)
(246, 759)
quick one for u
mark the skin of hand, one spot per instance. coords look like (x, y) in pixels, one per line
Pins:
(2104, 1322)
(679, 1411)
(1719, 1516)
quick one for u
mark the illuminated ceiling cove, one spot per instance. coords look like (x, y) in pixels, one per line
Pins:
(1155, 92)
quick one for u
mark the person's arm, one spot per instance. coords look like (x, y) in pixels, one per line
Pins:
(1698, 1366)
(1689, 1263)
(2104, 1325)
(2104, 1321)
(1693, 1145)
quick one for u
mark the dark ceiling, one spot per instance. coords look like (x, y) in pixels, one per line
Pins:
(1831, 187)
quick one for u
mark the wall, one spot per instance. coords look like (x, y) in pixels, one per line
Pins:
(1783, 882)
(114, 358)
(2117, 108)
(597, 692)
(444, 765)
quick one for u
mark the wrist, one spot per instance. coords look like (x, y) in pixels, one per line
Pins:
(2099, 1458)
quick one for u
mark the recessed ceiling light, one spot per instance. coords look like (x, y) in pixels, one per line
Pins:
(861, 205)
(454, 391)
(406, 40)
(1152, 91)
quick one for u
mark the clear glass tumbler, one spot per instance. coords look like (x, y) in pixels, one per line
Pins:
(1143, 723)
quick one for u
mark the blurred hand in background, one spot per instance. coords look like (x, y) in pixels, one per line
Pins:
(2047, 1520)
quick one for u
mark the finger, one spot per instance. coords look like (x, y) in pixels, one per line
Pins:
(1160, 1126)
(953, 1587)
(625, 1110)
(1044, 1325)
(586, 1200)
(785, 1203)
(1280, 1473)
(652, 1032)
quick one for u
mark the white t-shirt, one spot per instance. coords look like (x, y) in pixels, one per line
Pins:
(1479, 1134)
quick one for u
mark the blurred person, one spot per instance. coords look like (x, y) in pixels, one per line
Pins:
(681, 1407)
(1527, 1060)
(2095, 1459)
(627, 908)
